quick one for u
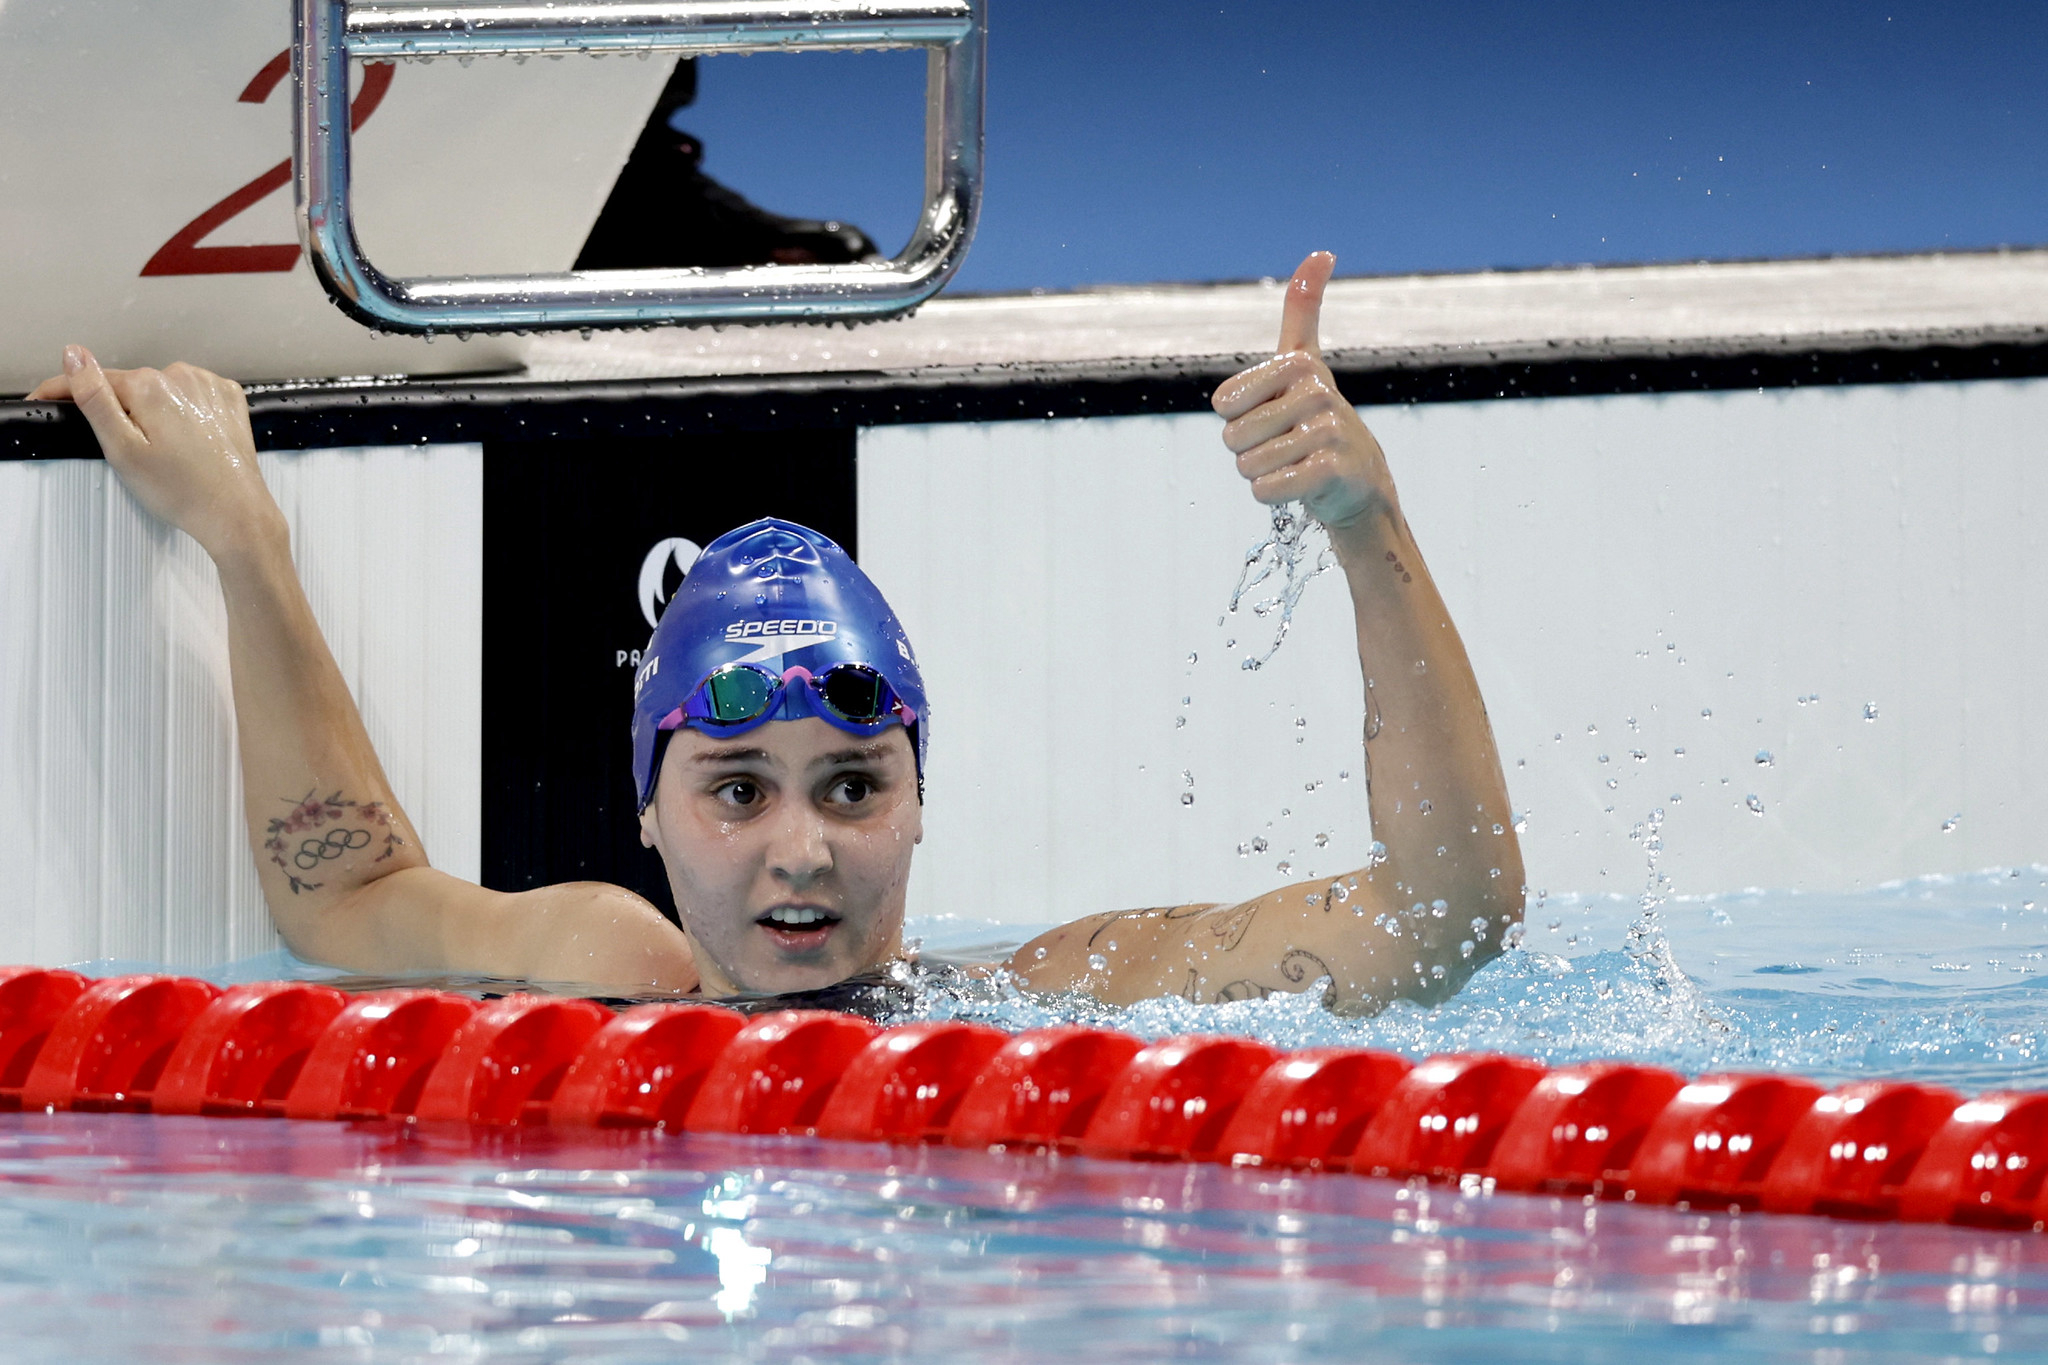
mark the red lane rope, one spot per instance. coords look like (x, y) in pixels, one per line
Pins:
(1871, 1150)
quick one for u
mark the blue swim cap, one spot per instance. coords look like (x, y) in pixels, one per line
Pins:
(778, 596)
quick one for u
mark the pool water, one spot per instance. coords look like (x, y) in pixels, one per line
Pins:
(228, 1239)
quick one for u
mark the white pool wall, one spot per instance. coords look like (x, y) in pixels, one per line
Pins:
(121, 831)
(1608, 560)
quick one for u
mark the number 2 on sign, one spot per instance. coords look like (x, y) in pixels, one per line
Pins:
(183, 254)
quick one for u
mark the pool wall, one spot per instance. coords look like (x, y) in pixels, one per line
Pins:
(121, 831)
(1788, 560)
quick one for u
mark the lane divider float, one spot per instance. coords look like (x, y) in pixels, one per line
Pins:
(1618, 1130)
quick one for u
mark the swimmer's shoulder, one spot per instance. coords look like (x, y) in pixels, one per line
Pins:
(593, 932)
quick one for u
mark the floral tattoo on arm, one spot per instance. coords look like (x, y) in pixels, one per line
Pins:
(353, 825)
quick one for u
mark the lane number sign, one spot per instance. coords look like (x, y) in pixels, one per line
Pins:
(186, 254)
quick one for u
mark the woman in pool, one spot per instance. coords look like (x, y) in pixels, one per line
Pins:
(780, 761)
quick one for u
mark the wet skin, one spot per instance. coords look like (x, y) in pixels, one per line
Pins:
(788, 851)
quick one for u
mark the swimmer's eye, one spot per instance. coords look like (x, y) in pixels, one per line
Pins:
(851, 790)
(738, 792)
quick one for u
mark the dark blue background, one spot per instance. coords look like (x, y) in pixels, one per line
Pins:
(1135, 140)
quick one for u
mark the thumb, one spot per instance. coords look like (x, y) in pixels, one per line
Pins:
(95, 396)
(1301, 314)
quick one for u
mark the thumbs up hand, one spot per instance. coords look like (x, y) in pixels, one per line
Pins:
(1295, 437)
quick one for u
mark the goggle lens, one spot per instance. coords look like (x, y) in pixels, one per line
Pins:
(737, 694)
(856, 694)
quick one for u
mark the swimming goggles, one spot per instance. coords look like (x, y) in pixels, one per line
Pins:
(737, 697)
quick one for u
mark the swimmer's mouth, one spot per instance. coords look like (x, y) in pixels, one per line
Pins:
(797, 920)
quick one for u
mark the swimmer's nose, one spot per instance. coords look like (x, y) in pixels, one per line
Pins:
(799, 854)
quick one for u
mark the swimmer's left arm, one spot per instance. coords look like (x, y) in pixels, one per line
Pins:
(1417, 921)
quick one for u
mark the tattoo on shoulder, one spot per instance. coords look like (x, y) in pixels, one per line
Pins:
(334, 825)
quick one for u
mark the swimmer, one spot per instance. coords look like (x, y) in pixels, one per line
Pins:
(779, 731)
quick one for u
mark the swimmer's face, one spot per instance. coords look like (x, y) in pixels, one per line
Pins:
(788, 850)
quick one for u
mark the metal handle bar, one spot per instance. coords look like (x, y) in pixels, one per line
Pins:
(329, 33)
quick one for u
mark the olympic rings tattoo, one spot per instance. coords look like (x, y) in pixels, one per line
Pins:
(314, 852)
(310, 812)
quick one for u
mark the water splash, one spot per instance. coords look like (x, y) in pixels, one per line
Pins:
(1646, 941)
(1288, 552)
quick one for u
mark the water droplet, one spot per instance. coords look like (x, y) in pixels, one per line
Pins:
(1706, 713)
(1301, 722)
(1259, 844)
(1180, 722)
(1948, 826)
(1755, 804)
(1497, 829)
(1191, 658)
(1466, 948)
(1322, 841)
(1283, 867)
(1439, 908)
(1603, 758)
(1097, 962)
(1424, 806)
(1870, 710)
(1187, 798)
(1244, 850)
(1376, 855)
(1437, 973)
(1522, 823)
(1764, 759)
(1592, 729)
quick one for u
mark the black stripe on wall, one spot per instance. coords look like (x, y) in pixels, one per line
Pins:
(512, 411)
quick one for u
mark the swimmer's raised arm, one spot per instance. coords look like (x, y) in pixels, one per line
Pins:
(1418, 921)
(341, 866)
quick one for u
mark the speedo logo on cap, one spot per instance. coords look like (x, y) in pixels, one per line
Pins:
(749, 630)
